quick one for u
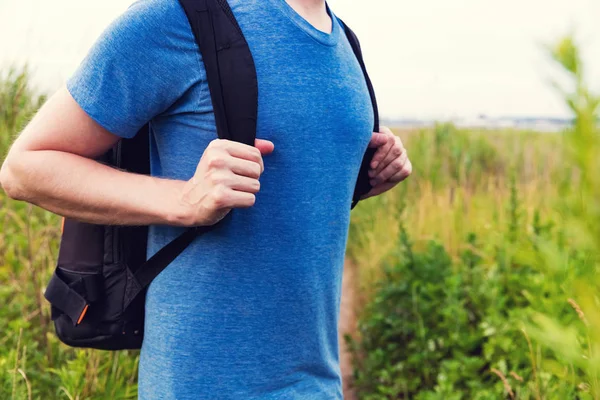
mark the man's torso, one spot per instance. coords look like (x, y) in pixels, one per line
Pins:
(250, 310)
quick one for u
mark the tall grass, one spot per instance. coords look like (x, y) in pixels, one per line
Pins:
(577, 344)
(33, 364)
(18, 102)
(480, 275)
(462, 183)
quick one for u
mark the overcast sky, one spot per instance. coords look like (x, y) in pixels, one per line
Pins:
(427, 58)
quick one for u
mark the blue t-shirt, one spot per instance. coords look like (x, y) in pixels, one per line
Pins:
(250, 310)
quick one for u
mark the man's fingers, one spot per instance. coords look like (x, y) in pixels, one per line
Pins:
(264, 146)
(240, 150)
(401, 175)
(379, 189)
(242, 199)
(227, 198)
(396, 151)
(245, 184)
(246, 168)
(385, 143)
(390, 163)
(383, 187)
(383, 140)
(390, 170)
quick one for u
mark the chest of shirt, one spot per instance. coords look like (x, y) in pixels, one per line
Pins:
(313, 102)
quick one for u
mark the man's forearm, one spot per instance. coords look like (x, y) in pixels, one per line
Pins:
(86, 190)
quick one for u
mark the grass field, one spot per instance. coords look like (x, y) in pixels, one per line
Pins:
(462, 183)
(477, 276)
(476, 200)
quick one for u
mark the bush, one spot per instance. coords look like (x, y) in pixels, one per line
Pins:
(442, 329)
(513, 316)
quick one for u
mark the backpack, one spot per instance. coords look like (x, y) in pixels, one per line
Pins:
(97, 291)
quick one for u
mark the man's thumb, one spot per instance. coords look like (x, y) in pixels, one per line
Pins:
(265, 146)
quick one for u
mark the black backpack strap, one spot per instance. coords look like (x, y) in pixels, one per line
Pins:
(233, 87)
(363, 185)
(230, 68)
(138, 281)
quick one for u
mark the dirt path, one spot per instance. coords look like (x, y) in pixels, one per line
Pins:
(347, 324)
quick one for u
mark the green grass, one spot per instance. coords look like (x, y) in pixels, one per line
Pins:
(33, 364)
(461, 184)
(479, 276)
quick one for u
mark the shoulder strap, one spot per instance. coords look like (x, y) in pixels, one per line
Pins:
(363, 185)
(233, 87)
(230, 68)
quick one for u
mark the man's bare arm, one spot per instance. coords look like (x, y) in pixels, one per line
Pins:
(51, 165)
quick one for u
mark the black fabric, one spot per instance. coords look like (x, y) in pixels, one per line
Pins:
(127, 244)
(363, 185)
(88, 258)
(229, 67)
(65, 298)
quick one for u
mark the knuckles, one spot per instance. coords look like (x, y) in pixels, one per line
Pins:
(216, 177)
(220, 197)
(215, 161)
(256, 172)
(256, 153)
(398, 164)
(216, 144)
(397, 151)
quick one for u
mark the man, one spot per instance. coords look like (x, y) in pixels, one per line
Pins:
(250, 310)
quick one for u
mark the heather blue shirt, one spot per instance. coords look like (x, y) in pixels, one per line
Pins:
(250, 310)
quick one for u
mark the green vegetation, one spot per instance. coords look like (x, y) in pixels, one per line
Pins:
(18, 103)
(33, 364)
(488, 288)
(477, 275)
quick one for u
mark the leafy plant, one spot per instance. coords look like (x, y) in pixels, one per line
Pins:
(577, 343)
(509, 313)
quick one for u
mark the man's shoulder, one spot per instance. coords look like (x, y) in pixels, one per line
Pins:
(153, 16)
(127, 77)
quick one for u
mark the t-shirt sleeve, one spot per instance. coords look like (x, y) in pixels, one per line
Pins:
(139, 66)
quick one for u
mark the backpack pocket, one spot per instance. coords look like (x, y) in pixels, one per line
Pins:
(71, 292)
(88, 307)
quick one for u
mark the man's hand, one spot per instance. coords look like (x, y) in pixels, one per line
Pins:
(390, 164)
(226, 177)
